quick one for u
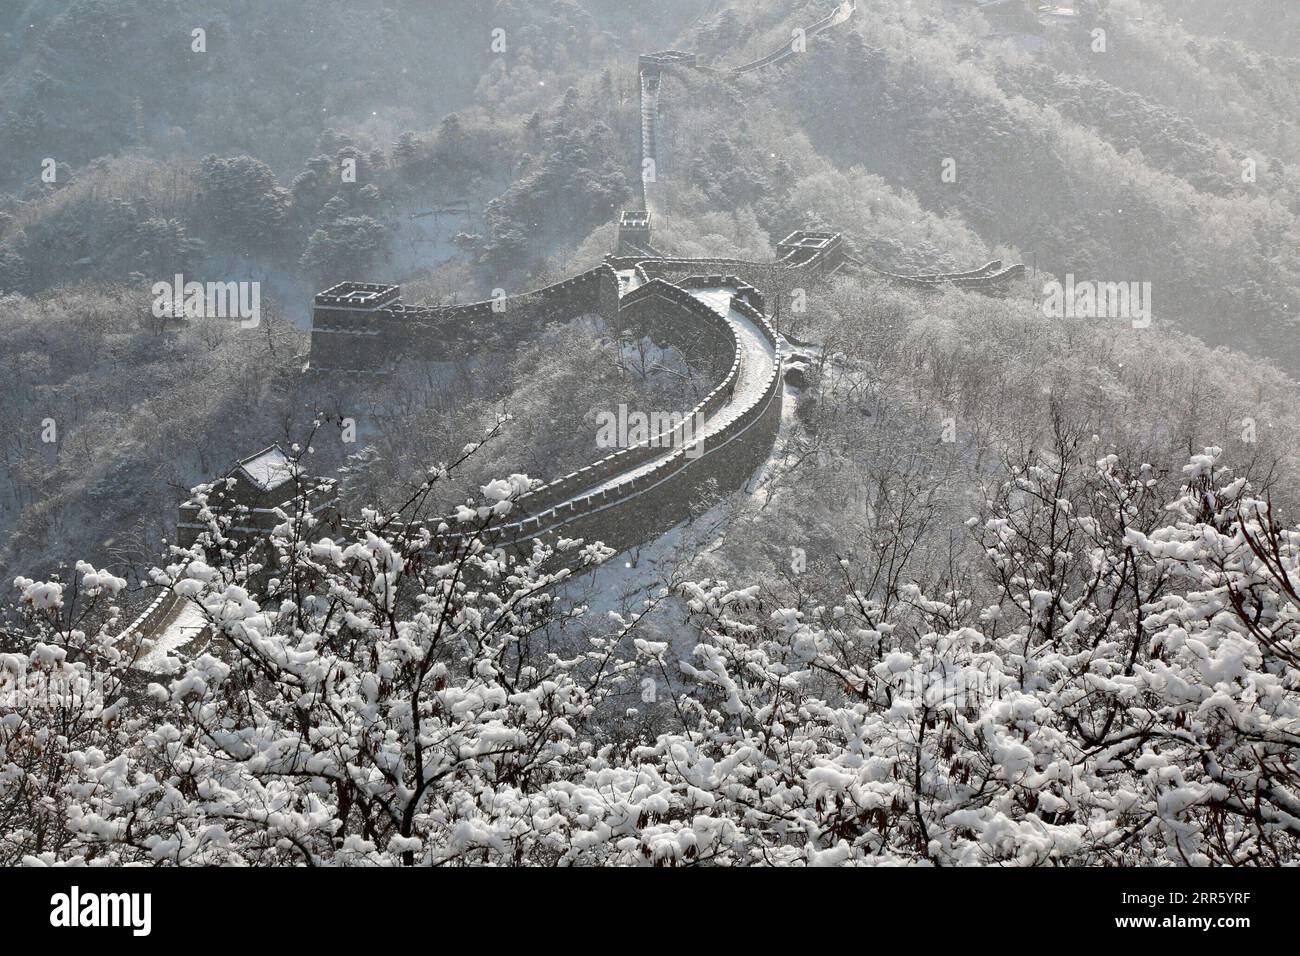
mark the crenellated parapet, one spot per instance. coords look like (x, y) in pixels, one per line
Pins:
(355, 335)
(838, 15)
(712, 308)
(802, 247)
(990, 278)
(634, 233)
(714, 316)
(639, 491)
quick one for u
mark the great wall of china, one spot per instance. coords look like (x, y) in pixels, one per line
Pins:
(712, 310)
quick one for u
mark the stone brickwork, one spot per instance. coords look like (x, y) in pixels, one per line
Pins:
(632, 493)
(624, 513)
(354, 339)
(635, 493)
(838, 15)
(254, 492)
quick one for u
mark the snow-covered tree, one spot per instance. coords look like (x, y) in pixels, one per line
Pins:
(1116, 683)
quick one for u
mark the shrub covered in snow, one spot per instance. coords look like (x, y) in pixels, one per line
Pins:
(1119, 683)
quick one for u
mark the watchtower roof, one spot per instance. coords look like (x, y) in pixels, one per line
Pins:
(266, 470)
(358, 295)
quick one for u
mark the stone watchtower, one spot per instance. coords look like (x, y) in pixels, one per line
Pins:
(634, 231)
(350, 323)
(825, 249)
(262, 483)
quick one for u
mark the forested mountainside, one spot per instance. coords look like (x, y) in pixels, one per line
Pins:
(1086, 517)
(1124, 145)
(1270, 26)
(1123, 164)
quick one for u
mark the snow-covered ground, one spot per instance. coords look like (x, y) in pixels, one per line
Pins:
(628, 279)
(186, 623)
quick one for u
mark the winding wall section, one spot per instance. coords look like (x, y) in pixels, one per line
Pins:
(639, 491)
(630, 495)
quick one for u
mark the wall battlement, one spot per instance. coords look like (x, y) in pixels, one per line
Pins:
(709, 308)
(372, 338)
(361, 328)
